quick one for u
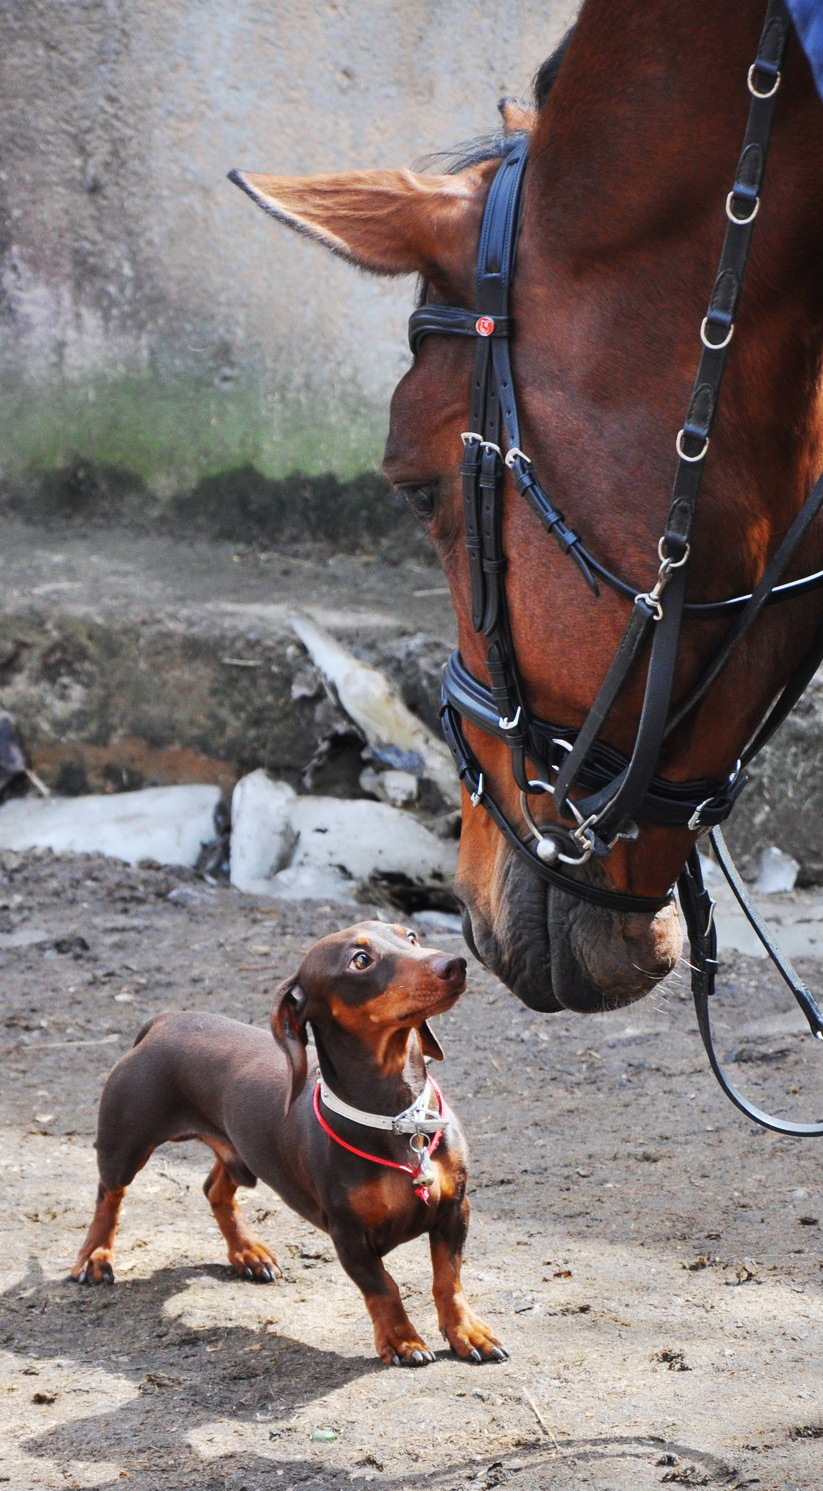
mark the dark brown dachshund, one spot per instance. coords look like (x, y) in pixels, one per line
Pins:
(367, 993)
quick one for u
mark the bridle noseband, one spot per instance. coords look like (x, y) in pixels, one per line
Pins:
(613, 793)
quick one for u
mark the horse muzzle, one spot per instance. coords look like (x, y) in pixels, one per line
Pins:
(555, 952)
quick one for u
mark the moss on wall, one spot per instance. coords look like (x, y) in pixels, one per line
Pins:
(174, 429)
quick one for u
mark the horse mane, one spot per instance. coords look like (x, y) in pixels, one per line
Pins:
(546, 75)
(494, 146)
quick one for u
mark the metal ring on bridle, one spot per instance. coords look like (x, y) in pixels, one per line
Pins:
(755, 92)
(542, 838)
(678, 445)
(666, 562)
(715, 346)
(741, 222)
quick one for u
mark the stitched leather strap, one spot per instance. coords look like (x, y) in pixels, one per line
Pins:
(698, 910)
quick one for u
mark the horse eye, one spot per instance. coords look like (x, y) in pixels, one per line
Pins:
(421, 500)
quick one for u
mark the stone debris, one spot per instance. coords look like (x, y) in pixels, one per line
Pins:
(395, 734)
(261, 834)
(398, 788)
(776, 872)
(325, 848)
(165, 824)
(12, 752)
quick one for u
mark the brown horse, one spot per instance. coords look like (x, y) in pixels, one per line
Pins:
(632, 152)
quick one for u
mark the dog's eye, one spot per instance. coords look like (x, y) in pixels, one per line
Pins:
(413, 938)
(360, 961)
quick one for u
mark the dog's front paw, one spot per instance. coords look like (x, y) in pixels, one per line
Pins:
(402, 1350)
(256, 1262)
(94, 1269)
(473, 1340)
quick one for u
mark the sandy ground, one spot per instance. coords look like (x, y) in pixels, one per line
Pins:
(652, 1260)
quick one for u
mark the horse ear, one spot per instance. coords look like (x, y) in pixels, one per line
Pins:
(288, 1026)
(518, 117)
(388, 222)
(430, 1043)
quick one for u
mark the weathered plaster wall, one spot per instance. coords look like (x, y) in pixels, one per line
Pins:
(150, 317)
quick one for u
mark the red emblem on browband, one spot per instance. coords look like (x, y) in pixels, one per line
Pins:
(484, 326)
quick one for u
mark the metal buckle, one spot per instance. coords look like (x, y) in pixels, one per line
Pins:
(514, 453)
(477, 795)
(511, 724)
(694, 824)
(467, 435)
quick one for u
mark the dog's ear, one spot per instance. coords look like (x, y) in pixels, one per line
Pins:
(288, 1026)
(430, 1043)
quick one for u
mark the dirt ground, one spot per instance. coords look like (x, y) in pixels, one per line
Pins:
(651, 1260)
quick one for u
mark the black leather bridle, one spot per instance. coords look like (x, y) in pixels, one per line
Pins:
(614, 793)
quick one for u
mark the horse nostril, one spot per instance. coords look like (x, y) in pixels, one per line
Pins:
(451, 970)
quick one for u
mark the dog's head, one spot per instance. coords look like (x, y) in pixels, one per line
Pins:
(368, 980)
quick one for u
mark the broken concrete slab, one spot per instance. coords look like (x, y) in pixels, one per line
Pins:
(364, 839)
(166, 824)
(400, 789)
(262, 835)
(326, 848)
(776, 872)
(376, 708)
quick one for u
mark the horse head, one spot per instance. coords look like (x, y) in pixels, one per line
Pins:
(630, 156)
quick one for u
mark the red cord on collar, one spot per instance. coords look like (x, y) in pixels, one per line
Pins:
(419, 1190)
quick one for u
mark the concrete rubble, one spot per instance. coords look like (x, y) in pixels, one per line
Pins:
(323, 847)
(167, 824)
(391, 730)
(776, 871)
(282, 845)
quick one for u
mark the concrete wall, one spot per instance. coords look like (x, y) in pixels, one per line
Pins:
(150, 316)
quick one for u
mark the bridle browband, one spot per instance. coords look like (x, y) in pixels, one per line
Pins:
(614, 793)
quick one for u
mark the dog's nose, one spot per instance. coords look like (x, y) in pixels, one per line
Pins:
(451, 970)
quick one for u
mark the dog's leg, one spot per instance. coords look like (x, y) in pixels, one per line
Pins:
(95, 1259)
(247, 1256)
(468, 1335)
(398, 1343)
(117, 1164)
